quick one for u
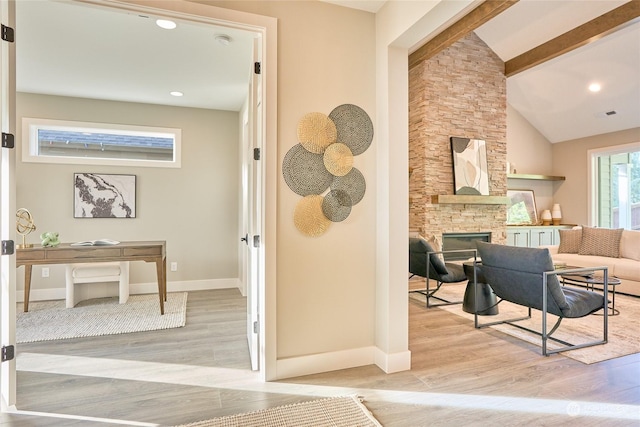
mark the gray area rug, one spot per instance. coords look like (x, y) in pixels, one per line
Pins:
(624, 333)
(51, 320)
(345, 411)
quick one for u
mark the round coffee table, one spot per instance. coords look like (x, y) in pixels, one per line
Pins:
(590, 281)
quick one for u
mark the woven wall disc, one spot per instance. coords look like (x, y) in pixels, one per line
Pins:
(338, 159)
(308, 217)
(336, 205)
(316, 132)
(304, 172)
(352, 183)
(354, 127)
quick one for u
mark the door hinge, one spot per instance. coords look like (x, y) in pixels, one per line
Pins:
(256, 327)
(256, 154)
(8, 140)
(257, 68)
(256, 241)
(8, 353)
(7, 247)
(8, 34)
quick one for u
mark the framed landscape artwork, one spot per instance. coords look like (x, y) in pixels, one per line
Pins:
(470, 172)
(522, 208)
(104, 196)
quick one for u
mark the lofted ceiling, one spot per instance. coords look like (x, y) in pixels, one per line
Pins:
(72, 49)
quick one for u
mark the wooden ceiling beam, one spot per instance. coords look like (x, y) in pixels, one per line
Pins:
(468, 23)
(589, 32)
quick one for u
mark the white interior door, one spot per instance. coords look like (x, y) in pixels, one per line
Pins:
(255, 254)
(7, 206)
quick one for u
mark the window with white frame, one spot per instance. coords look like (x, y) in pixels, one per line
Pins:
(57, 141)
(615, 187)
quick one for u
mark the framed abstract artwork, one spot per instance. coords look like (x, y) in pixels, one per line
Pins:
(470, 172)
(522, 208)
(104, 196)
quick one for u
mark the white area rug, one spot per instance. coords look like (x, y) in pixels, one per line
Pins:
(347, 411)
(51, 320)
(624, 333)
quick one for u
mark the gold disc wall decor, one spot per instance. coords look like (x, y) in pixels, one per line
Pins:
(338, 159)
(308, 217)
(316, 132)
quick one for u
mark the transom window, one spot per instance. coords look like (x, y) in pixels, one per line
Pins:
(55, 141)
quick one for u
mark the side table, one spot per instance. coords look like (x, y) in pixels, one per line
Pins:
(485, 298)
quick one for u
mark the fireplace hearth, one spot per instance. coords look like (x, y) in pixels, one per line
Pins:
(459, 241)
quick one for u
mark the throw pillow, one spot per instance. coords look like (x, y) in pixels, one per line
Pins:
(601, 242)
(630, 245)
(570, 241)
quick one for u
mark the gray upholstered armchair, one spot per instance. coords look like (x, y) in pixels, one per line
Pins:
(526, 276)
(436, 269)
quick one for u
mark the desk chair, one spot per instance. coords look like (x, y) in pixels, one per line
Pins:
(97, 272)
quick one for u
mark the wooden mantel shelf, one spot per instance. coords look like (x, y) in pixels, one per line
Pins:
(469, 199)
(535, 177)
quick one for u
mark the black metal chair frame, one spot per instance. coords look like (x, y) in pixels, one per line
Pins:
(429, 292)
(543, 333)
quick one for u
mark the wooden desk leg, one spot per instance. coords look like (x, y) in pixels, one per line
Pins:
(27, 287)
(160, 266)
(164, 278)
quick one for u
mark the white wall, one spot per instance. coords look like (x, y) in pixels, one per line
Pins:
(194, 208)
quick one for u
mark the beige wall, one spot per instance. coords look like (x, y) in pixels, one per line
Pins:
(571, 160)
(194, 208)
(530, 153)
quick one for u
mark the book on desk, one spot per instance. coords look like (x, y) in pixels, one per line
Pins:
(99, 242)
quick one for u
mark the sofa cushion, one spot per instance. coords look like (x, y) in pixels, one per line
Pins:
(570, 241)
(630, 245)
(600, 242)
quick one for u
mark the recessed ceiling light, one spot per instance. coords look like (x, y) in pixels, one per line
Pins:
(595, 87)
(223, 39)
(166, 24)
(176, 93)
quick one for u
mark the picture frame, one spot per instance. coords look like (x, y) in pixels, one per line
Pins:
(470, 170)
(104, 195)
(522, 208)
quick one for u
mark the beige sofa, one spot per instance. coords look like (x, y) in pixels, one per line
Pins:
(599, 250)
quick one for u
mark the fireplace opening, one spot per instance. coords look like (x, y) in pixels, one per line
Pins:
(459, 241)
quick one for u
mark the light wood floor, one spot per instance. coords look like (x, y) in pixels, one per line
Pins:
(459, 377)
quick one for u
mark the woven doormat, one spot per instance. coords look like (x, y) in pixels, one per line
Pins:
(51, 320)
(345, 411)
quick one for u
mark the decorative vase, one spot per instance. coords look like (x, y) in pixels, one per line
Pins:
(546, 217)
(556, 214)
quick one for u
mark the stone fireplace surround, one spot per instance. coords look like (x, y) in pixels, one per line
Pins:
(459, 92)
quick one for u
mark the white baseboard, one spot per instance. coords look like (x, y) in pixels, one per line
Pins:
(333, 361)
(324, 362)
(394, 362)
(99, 290)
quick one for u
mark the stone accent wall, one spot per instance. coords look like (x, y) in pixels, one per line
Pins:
(459, 92)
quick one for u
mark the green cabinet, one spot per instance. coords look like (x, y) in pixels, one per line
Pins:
(534, 236)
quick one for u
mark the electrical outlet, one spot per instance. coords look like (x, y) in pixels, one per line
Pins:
(174, 266)
(45, 272)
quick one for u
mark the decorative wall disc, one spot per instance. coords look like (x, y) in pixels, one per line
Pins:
(352, 183)
(336, 205)
(338, 159)
(316, 132)
(354, 127)
(308, 217)
(304, 172)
